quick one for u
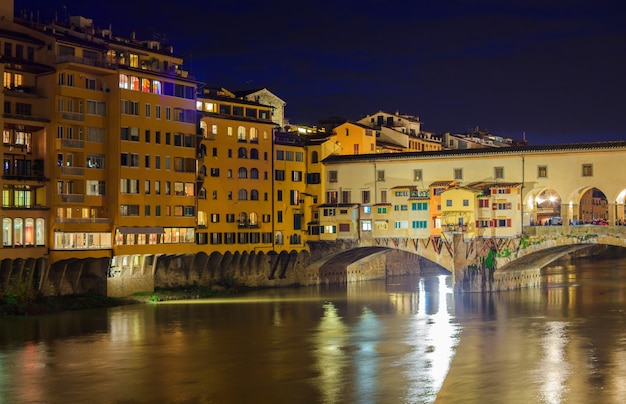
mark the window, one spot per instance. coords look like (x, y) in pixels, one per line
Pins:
(498, 173)
(332, 176)
(96, 108)
(380, 175)
(294, 197)
(419, 224)
(95, 161)
(587, 170)
(90, 84)
(417, 175)
(95, 188)
(542, 171)
(296, 176)
(279, 175)
(365, 197)
(129, 210)
(458, 174)
(346, 196)
(130, 107)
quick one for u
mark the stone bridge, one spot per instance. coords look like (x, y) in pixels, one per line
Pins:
(490, 264)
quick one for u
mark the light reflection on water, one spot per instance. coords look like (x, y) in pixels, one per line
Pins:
(409, 341)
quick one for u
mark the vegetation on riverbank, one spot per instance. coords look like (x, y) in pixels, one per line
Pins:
(18, 300)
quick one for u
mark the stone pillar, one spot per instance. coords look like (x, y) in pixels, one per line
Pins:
(612, 214)
(619, 213)
(566, 214)
(466, 275)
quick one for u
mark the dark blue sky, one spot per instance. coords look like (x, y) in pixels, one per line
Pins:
(554, 70)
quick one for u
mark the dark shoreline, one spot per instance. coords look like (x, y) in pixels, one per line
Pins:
(56, 304)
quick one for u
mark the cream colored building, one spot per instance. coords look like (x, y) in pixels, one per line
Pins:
(496, 192)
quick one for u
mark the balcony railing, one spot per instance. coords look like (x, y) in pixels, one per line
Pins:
(21, 90)
(73, 116)
(83, 61)
(73, 198)
(73, 143)
(86, 220)
(72, 170)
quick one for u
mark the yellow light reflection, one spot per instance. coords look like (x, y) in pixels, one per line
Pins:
(553, 370)
(434, 338)
(332, 335)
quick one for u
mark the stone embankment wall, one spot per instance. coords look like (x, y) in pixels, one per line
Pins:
(326, 263)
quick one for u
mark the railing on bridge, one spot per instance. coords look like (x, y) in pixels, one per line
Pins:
(584, 229)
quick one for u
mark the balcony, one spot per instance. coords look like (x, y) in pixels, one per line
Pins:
(21, 91)
(83, 220)
(83, 61)
(454, 228)
(73, 143)
(73, 116)
(72, 170)
(246, 225)
(73, 198)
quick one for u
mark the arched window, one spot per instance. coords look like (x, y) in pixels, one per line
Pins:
(29, 232)
(204, 128)
(254, 219)
(202, 150)
(241, 134)
(243, 218)
(7, 232)
(242, 153)
(202, 193)
(279, 238)
(242, 195)
(254, 195)
(254, 173)
(254, 154)
(18, 231)
(203, 170)
(314, 158)
(254, 135)
(243, 173)
(40, 230)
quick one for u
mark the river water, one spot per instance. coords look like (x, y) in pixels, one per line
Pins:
(406, 340)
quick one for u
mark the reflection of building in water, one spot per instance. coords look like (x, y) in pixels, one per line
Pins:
(554, 370)
(433, 338)
(330, 340)
(366, 359)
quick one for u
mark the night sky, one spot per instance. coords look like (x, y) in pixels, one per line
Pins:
(553, 70)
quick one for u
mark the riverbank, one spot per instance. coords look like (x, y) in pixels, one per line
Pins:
(15, 305)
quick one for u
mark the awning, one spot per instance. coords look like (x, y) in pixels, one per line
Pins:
(141, 230)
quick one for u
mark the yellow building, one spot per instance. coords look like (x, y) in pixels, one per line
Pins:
(236, 201)
(24, 121)
(291, 201)
(354, 138)
(119, 145)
